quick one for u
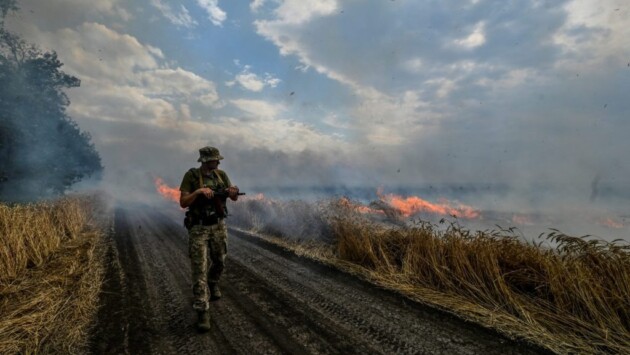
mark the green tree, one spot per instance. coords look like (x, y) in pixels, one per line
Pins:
(42, 150)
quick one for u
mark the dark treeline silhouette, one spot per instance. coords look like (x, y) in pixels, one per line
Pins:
(42, 150)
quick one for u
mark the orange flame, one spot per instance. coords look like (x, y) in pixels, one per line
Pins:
(411, 205)
(344, 201)
(366, 209)
(169, 193)
(610, 223)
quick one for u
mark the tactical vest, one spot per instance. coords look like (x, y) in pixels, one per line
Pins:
(203, 206)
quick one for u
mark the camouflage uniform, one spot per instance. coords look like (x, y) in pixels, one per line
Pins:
(207, 244)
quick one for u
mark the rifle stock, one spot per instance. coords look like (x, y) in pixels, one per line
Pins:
(220, 196)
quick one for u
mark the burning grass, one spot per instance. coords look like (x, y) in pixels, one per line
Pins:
(296, 219)
(573, 298)
(50, 274)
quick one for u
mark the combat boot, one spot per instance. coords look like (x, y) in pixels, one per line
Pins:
(203, 324)
(215, 292)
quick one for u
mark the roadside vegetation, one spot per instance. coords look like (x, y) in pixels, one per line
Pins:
(573, 297)
(50, 274)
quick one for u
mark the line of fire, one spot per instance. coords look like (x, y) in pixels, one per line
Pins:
(399, 208)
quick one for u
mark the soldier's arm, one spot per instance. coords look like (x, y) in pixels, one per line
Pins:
(187, 198)
(233, 193)
(232, 189)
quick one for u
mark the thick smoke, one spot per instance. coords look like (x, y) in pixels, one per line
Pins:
(516, 109)
(42, 150)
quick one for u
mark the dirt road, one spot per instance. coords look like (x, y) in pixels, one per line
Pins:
(273, 302)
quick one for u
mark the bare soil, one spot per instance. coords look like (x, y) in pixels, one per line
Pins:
(274, 302)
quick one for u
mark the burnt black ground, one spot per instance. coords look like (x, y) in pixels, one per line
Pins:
(273, 302)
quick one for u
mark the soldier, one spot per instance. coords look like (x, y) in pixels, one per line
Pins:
(207, 231)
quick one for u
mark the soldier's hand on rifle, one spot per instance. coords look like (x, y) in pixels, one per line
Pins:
(206, 191)
(233, 192)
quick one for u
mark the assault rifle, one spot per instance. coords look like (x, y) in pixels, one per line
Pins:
(220, 196)
(210, 217)
(223, 193)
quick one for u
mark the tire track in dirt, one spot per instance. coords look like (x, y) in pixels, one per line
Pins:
(118, 321)
(274, 303)
(361, 311)
(170, 301)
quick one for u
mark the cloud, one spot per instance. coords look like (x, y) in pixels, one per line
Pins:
(54, 14)
(333, 120)
(431, 35)
(110, 63)
(180, 19)
(252, 82)
(391, 120)
(271, 81)
(492, 92)
(143, 109)
(215, 14)
(181, 85)
(296, 12)
(126, 83)
(302, 67)
(143, 112)
(594, 34)
(413, 65)
(258, 108)
(263, 124)
(475, 39)
(256, 4)
(95, 50)
(525, 93)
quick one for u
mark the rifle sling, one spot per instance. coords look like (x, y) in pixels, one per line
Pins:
(215, 174)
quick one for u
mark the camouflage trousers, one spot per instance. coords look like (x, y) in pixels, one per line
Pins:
(207, 246)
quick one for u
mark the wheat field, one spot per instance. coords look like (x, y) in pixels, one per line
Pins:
(570, 298)
(50, 274)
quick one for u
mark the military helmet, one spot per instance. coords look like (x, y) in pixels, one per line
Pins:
(208, 154)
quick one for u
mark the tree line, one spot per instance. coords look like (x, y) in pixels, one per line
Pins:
(42, 150)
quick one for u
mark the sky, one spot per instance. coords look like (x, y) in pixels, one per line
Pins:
(528, 96)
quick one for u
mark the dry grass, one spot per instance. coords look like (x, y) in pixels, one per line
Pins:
(50, 274)
(574, 298)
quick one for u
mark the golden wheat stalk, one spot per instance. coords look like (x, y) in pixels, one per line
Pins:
(50, 274)
(574, 298)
